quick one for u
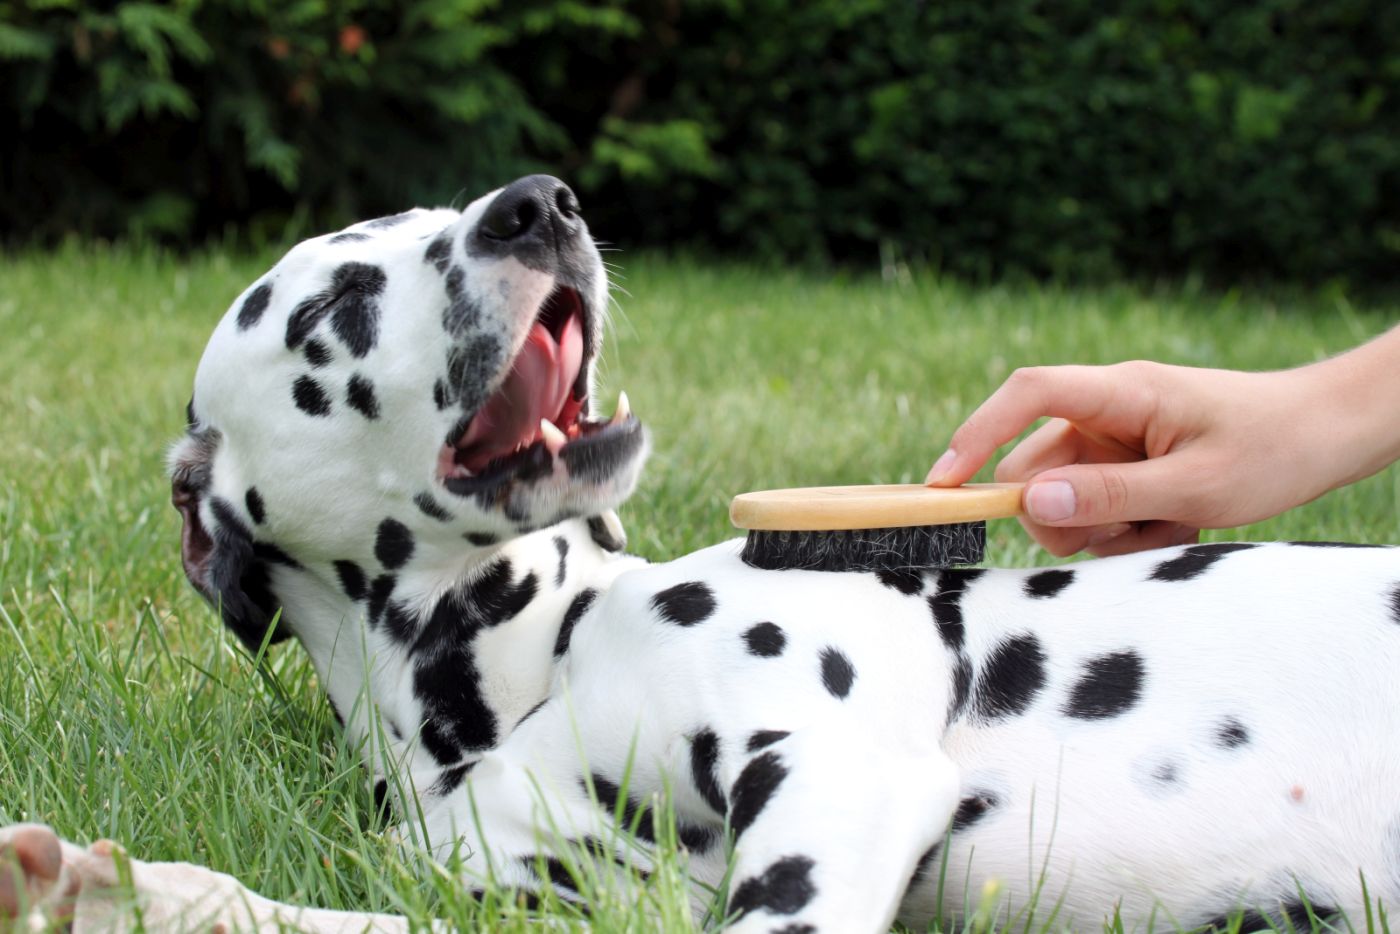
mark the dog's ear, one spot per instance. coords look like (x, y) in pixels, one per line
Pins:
(223, 564)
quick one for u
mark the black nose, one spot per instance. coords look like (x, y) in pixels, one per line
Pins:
(536, 207)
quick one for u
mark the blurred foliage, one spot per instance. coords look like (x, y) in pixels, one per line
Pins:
(1238, 138)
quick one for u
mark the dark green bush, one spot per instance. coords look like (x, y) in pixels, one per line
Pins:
(178, 118)
(1240, 138)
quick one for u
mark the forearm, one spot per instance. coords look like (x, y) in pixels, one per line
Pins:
(1355, 401)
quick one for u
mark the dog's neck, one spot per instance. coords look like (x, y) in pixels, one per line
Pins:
(445, 666)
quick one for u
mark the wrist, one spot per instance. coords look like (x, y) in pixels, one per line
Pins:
(1349, 402)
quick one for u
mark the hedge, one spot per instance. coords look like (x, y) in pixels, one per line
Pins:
(1236, 138)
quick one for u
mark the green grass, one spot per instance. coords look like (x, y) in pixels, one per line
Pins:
(125, 713)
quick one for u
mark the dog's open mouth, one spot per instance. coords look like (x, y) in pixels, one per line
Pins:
(539, 408)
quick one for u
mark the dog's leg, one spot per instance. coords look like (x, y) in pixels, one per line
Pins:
(829, 825)
(45, 881)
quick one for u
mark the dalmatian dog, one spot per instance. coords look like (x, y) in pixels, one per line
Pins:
(394, 456)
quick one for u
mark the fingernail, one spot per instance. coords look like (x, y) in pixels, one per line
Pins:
(1107, 533)
(1050, 501)
(940, 467)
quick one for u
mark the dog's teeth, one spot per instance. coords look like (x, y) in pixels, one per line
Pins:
(553, 438)
(624, 409)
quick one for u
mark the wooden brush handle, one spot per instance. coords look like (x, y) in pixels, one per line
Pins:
(890, 506)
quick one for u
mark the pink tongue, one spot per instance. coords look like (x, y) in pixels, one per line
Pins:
(536, 387)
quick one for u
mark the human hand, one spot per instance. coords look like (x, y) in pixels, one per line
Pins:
(1140, 455)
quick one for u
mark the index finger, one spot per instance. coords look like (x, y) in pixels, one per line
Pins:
(1075, 393)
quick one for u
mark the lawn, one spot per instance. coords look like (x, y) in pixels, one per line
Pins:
(124, 711)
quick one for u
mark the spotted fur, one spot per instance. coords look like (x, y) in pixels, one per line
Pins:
(1170, 735)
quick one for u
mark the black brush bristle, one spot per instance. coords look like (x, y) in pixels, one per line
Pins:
(913, 548)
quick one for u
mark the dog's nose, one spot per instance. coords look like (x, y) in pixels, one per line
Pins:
(533, 208)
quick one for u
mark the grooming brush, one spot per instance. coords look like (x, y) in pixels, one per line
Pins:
(898, 527)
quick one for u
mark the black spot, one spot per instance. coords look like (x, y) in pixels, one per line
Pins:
(350, 237)
(379, 593)
(685, 604)
(577, 607)
(962, 686)
(784, 888)
(591, 460)
(972, 809)
(317, 353)
(838, 674)
(561, 545)
(1165, 773)
(1047, 584)
(753, 789)
(381, 798)
(352, 579)
(635, 818)
(795, 928)
(359, 393)
(1011, 677)
(603, 537)
(352, 301)
(266, 551)
(451, 778)
(440, 398)
(704, 769)
(305, 317)
(431, 508)
(946, 604)
(310, 397)
(1249, 921)
(237, 582)
(1194, 560)
(487, 601)
(254, 306)
(766, 640)
(1305, 916)
(1293, 915)
(904, 580)
(189, 413)
(761, 739)
(695, 837)
(481, 539)
(254, 501)
(446, 678)
(1395, 605)
(355, 319)
(557, 874)
(393, 544)
(925, 861)
(1231, 734)
(392, 220)
(438, 252)
(1110, 684)
(399, 622)
(455, 282)
(462, 314)
(469, 370)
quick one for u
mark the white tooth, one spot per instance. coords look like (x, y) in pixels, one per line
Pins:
(624, 409)
(554, 439)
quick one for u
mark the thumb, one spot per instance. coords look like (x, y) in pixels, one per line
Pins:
(1098, 494)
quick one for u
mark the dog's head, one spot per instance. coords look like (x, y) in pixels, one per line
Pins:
(412, 388)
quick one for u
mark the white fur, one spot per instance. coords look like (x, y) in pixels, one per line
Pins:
(1145, 812)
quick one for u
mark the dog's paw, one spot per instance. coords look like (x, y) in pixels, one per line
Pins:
(47, 883)
(37, 883)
